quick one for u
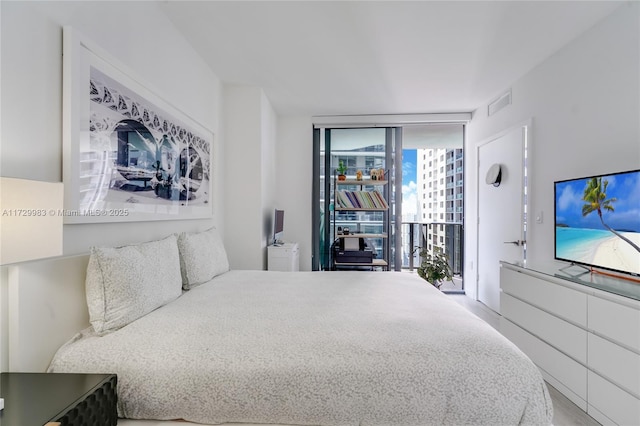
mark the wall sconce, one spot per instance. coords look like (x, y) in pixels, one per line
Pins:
(30, 220)
(494, 175)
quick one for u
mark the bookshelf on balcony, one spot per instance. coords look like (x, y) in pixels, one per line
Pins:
(368, 198)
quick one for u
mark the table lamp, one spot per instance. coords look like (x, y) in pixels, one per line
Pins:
(30, 220)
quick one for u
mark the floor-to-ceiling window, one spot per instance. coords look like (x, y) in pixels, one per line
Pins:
(425, 165)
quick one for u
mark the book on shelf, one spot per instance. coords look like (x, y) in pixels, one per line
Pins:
(361, 200)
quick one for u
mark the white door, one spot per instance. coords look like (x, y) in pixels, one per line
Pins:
(501, 210)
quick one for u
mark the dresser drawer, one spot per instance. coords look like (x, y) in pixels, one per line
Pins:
(556, 299)
(619, 406)
(617, 364)
(618, 322)
(560, 334)
(569, 373)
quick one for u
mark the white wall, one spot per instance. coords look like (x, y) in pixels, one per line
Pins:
(268, 171)
(585, 105)
(294, 161)
(250, 132)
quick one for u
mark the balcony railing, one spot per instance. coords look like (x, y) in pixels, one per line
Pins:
(415, 237)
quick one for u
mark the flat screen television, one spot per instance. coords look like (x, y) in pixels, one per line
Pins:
(278, 227)
(597, 221)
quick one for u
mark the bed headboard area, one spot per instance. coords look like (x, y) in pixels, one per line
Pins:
(45, 306)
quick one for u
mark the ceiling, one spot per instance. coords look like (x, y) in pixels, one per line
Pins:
(379, 57)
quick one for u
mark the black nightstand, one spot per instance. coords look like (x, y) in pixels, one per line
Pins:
(71, 399)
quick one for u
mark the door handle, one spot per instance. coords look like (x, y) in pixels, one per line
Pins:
(516, 242)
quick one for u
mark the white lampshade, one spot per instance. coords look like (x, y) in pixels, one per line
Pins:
(30, 220)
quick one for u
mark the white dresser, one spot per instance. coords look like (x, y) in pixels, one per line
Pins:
(283, 257)
(583, 333)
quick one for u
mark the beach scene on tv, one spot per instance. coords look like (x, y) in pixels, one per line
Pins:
(598, 221)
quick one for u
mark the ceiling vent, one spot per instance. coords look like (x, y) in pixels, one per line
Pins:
(503, 101)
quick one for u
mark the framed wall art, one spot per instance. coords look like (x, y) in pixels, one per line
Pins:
(128, 154)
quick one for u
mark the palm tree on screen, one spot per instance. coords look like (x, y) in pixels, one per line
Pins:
(595, 195)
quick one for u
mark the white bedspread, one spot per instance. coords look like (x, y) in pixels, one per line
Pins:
(315, 348)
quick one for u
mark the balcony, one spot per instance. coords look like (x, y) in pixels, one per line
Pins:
(414, 238)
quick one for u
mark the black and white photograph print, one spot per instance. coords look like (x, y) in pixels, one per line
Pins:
(139, 153)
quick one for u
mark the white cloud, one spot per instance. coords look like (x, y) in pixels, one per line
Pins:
(568, 198)
(408, 169)
(411, 187)
(410, 199)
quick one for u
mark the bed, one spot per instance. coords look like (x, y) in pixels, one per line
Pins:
(297, 348)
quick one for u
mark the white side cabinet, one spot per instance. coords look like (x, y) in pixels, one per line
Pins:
(586, 341)
(284, 257)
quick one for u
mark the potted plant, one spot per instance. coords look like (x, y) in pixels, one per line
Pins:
(434, 267)
(342, 171)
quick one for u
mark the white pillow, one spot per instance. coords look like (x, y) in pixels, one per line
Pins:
(126, 283)
(202, 257)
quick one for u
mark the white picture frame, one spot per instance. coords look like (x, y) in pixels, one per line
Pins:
(128, 155)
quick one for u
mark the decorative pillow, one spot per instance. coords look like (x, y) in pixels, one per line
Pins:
(126, 283)
(202, 257)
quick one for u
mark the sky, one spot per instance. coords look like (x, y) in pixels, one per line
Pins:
(409, 183)
(626, 215)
